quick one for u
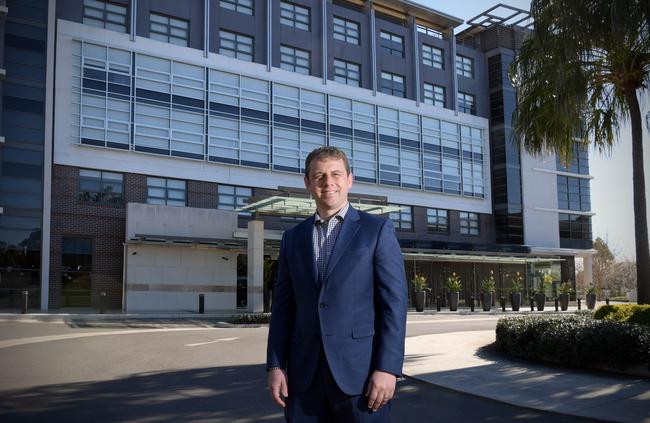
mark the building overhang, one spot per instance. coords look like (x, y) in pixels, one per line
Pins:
(472, 258)
(297, 206)
(175, 241)
(546, 251)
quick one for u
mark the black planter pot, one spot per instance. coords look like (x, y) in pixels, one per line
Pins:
(540, 300)
(420, 299)
(486, 297)
(591, 301)
(453, 300)
(515, 301)
(564, 302)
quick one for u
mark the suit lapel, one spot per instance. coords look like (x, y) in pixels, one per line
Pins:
(349, 228)
(307, 249)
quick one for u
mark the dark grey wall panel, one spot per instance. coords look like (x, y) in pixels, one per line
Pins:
(388, 63)
(360, 54)
(252, 26)
(477, 85)
(189, 10)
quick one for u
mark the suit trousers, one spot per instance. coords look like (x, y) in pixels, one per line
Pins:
(324, 402)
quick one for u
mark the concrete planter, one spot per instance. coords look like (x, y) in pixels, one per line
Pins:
(591, 301)
(515, 301)
(540, 301)
(453, 300)
(486, 298)
(420, 300)
(564, 302)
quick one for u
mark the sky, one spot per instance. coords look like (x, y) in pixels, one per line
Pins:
(611, 188)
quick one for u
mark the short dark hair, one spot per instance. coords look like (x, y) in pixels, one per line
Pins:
(322, 153)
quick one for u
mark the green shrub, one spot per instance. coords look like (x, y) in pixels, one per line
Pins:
(251, 318)
(631, 313)
(576, 340)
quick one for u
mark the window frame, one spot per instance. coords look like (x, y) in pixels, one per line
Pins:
(462, 99)
(399, 221)
(85, 195)
(236, 197)
(469, 224)
(464, 66)
(390, 89)
(172, 22)
(344, 35)
(434, 99)
(435, 53)
(238, 41)
(293, 65)
(86, 18)
(434, 218)
(388, 42)
(167, 190)
(294, 10)
(237, 6)
(345, 78)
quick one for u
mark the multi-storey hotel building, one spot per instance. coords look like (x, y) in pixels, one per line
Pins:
(153, 150)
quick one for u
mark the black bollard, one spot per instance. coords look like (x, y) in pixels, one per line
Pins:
(471, 303)
(607, 301)
(578, 303)
(102, 302)
(532, 305)
(556, 304)
(25, 301)
(201, 303)
(438, 302)
(503, 304)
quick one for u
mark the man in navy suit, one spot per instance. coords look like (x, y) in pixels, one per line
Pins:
(338, 322)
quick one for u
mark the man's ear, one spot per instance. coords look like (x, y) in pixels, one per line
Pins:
(350, 180)
(306, 179)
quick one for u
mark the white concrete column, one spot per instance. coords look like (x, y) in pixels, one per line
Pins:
(256, 266)
(587, 272)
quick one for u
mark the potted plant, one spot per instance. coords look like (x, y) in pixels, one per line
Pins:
(590, 297)
(565, 290)
(453, 286)
(540, 295)
(419, 283)
(487, 290)
(515, 291)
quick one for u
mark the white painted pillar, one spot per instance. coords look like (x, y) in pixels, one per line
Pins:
(256, 266)
(587, 272)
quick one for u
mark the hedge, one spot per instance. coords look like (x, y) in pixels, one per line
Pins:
(631, 313)
(251, 318)
(576, 340)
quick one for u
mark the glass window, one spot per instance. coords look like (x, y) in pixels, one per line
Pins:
(402, 219)
(466, 103)
(294, 16)
(434, 94)
(393, 84)
(573, 193)
(76, 261)
(469, 224)
(169, 29)
(575, 231)
(295, 60)
(103, 14)
(236, 45)
(230, 197)
(100, 187)
(432, 56)
(347, 72)
(242, 6)
(429, 31)
(346, 30)
(464, 66)
(437, 220)
(392, 44)
(170, 192)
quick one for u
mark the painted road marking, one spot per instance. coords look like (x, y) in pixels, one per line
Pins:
(211, 342)
(484, 319)
(36, 339)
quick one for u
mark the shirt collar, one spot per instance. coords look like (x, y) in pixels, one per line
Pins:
(340, 215)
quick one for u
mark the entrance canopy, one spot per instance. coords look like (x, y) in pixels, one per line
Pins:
(296, 206)
(432, 256)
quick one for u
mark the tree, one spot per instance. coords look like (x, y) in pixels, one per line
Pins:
(602, 263)
(577, 77)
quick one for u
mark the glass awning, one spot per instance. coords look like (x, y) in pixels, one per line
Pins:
(295, 206)
(426, 256)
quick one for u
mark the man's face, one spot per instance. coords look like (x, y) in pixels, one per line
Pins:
(328, 183)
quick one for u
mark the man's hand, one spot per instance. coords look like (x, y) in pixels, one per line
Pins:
(381, 388)
(278, 386)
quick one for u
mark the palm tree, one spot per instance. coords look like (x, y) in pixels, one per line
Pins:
(578, 76)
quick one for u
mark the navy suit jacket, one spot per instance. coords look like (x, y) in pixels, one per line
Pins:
(358, 312)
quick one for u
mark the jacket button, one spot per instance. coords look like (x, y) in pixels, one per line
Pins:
(322, 305)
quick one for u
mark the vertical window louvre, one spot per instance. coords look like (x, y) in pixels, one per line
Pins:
(432, 56)
(236, 45)
(464, 66)
(392, 44)
(347, 72)
(168, 29)
(295, 60)
(103, 14)
(346, 30)
(294, 16)
(170, 192)
(434, 94)
(242, 6)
